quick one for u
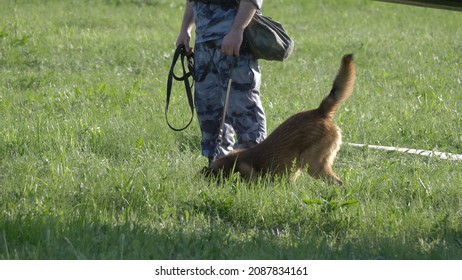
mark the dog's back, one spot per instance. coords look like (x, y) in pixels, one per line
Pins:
(307, 138)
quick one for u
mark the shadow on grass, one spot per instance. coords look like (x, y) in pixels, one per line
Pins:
(48, 238)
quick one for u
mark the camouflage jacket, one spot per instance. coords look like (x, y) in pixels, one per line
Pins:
(213, 20)
(230, 3)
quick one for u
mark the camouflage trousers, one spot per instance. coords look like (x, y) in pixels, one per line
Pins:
(245, 121)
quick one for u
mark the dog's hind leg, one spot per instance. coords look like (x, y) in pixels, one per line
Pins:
(320, 164)
(321, 170)
(295, 175)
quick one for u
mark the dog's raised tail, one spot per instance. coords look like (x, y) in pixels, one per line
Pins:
(342, 87)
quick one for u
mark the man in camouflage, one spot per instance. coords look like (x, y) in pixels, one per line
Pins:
(219, 52)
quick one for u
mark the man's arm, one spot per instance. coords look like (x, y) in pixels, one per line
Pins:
(257, 3)
(186, 27)
(233, 40)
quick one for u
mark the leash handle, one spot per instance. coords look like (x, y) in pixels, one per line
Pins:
(181, 52)
(223, 117)
(225, 109)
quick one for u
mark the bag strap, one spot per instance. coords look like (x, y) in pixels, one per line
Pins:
(181, 52)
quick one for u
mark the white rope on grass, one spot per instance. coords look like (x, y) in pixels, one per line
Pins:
(426, 153)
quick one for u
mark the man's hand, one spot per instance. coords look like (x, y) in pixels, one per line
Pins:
(233, 40)
(183, 39)
(186, 26)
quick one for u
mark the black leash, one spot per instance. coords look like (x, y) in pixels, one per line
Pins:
(180, 52)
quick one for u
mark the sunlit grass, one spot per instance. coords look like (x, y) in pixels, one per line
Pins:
(90, 170)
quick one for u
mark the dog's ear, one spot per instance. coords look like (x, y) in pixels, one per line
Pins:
(244, 169)
(226, 164)
(219, 164)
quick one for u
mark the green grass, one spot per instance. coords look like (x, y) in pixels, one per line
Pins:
(90, 170)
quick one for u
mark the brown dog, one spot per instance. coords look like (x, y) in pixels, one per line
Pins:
(308, 138)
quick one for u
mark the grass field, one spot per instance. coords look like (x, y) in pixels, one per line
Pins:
(90, 170)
